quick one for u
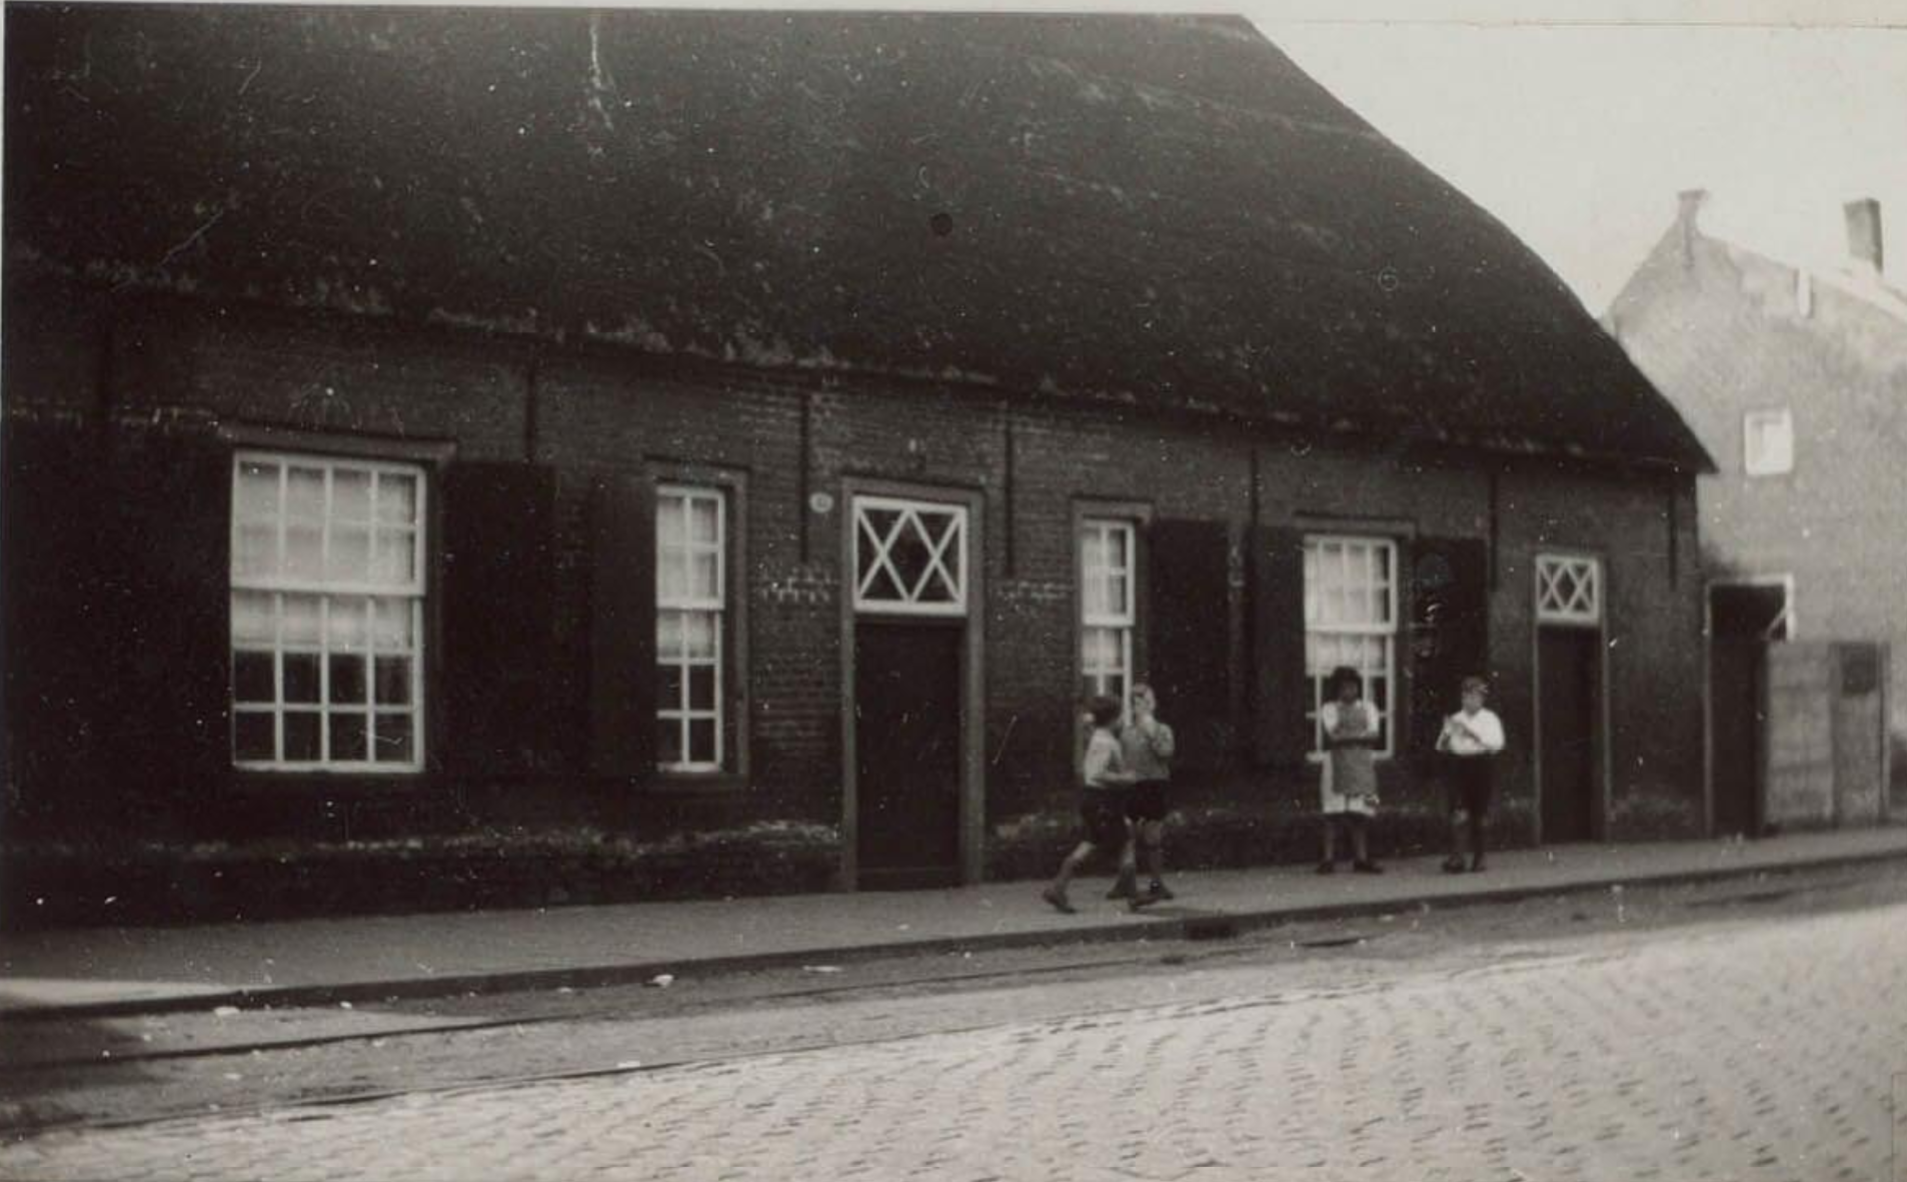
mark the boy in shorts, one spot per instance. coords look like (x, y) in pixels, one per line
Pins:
(1469, 740)
(1102, 805)
(1148, 747)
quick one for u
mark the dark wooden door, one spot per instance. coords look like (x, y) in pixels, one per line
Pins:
(1569, 714)
(1735, 702)
(907, 734)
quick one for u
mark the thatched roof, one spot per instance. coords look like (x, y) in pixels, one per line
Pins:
(1158, 211)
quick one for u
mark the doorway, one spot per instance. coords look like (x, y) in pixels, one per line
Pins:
(908, 723)
(912, 800)
(1567, 700)
(1571, 771)
(1742, 619)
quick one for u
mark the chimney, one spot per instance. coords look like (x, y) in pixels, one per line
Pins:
(1690, 202)
(1864, 235)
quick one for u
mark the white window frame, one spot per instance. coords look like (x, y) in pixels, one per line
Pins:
(1121, 618)
(1767, 442)
(681, 714)
(952, 540)
(1319, 673)
(279, 584)
(1577, 603)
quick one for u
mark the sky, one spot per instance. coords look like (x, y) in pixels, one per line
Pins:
(1577, 129)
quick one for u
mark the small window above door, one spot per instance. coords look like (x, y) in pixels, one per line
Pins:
(910, 557)
(1568, 590)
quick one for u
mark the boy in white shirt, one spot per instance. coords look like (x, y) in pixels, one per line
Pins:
(1470, 741)
(1102, 804)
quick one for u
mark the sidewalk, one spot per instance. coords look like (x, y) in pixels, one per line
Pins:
(103, 971)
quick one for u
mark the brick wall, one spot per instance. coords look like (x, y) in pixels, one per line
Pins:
(585, 410)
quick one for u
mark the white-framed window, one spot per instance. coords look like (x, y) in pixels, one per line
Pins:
(1568, 590)
(328, 586)
(1350, 619)
(910, 557)
(691, 602)
(1107, 607)
(1767, 439)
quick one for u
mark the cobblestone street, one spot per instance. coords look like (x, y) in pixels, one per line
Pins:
(1747, 1049)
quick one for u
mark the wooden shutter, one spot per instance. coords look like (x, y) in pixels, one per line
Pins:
(1280, 734)
(1447, 632)
(1188, 626)
(54, 502)
(498, 605)
(622, 597)
(167, 611)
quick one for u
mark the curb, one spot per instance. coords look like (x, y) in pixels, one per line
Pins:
(1197, 925)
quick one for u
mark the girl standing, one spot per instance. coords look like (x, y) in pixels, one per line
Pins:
(1349, 785)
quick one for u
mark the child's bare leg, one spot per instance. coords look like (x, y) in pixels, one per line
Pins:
(1360, 842)
(1127, 883)
(1152, 833)
(1330, 839)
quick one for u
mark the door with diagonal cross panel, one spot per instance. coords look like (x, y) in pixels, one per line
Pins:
(910, 582)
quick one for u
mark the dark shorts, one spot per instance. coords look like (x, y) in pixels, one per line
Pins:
(1147, 802)
(1468, 777)
(1102, 812)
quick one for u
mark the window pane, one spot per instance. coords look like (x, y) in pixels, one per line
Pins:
(672, 576)
(702, 687)
(304, 494)
(1119, 594)
(703, 585)
(668, 740)
(1095, 599)
(350, 495)
(254, 737)
(396, 557)
(304, 552)
(393, 738)
(257, 495)
(702, 740)
(1118, 549)
(1092, 551)
(350, 738)
(668, 634)
(257, 552)
(301, 677)
(301, 619)
(252, 677)
(908, 555)
(704, 526)
(393, 622)
(393, 681)
(668, 687)
(669, 530)
(350, 553)
(251, 617)
(396, 499)
(700, 633)
(346, 621)
(347, 678)
(302, 736)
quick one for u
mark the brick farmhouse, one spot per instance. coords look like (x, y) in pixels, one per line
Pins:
(745, 438)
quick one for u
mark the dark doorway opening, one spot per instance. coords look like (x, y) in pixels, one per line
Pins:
(1743, 618)
(907, 707)
(1569, 704)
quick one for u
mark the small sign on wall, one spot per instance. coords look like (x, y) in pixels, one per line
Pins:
(1860, 670)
